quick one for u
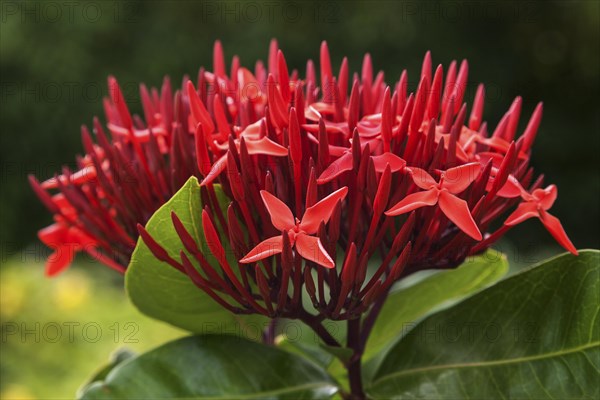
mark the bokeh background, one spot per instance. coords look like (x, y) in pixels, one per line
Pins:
(54, 60)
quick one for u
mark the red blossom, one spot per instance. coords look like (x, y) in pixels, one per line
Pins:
(300, 231)
(452, 181)
(537, 205)
(319, 182)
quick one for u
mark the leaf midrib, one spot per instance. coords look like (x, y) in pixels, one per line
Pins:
(489, 363)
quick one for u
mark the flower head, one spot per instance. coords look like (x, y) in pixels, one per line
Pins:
(319, 183)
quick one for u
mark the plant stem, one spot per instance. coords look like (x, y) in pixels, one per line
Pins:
(315, 323)
(370, 319)
(354, 365)
(269, 333)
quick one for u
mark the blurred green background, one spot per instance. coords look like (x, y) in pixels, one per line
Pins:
(55, 57)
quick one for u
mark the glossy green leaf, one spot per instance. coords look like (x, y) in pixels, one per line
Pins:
(116, 358)
(161, 292)
(533, 335)
(405, 307)
(311, 352)
(214, 367)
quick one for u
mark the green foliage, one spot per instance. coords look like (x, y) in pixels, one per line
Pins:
(533, 335)
(160, 291)
(117, 358)
(214, 367)
(405, 307)
(410, 302)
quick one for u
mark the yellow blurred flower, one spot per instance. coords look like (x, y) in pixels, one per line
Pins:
(12, 297)
(71, 290)
(17, 392)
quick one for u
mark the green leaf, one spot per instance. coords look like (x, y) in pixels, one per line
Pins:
(533, 335)
(214, 367)
(115, 359)
(405, 307)
(161, 292)
(311, 352)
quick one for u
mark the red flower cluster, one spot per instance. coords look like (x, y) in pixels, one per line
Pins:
(316, 178)
(119, 183)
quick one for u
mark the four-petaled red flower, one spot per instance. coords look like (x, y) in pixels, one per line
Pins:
(537, 205)
(66, 241)
(300, 231)
(452, 181)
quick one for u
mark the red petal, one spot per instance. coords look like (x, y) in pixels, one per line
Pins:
(523, 212)
(281, 216)
(202, 157)
(284, 76)
(336, 168)
(59, 260)
(53, 235)
(458, 179)
(511, 189)
(433, 103)
(325, 64)
(264, 249)
(220, 117)
(119, 102)
(273, 49)
(215, 171)
(426, 67)
(421, 178)
(383, 192)
(80, 177)
(218, 59)
(395, 162)
(294, 137)
(277, 107)
(557, 231)
(212, 238)
(198, 110)
(548, 196)
(335, 151)
(311, 248)
(496, 158)
(477, 111)
(77, 238)
(61, 202)
(461, 84)
(532, 127)
(321, 212)
(250, 89)
(266, 146)
(386, 120)
(84, 175)
(458, 212)
(414, 201)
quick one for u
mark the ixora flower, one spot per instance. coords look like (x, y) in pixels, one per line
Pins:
(299, 231)
(268, 190)
(319, 182)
